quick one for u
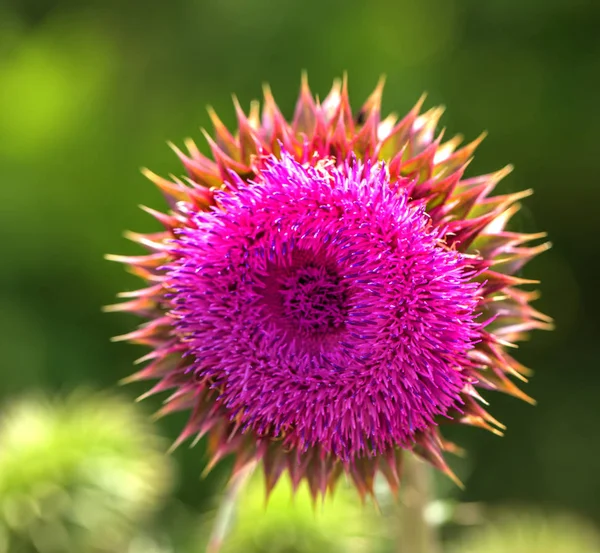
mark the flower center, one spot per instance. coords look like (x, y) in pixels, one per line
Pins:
(305, 296)
(312, 300)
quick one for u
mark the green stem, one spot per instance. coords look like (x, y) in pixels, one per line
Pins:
(416, 536)
(227, 508)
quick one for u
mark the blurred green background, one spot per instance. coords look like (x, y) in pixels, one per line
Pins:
(91, 90)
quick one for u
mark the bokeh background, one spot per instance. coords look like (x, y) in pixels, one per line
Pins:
(91, 90)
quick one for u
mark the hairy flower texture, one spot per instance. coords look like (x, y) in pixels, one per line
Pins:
(328, 292)
(326, 308)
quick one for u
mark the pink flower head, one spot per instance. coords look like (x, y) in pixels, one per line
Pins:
(327, 292)
(325, 307)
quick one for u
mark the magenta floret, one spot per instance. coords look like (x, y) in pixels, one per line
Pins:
(325, 308)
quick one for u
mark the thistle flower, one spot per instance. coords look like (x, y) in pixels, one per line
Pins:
(328, 292)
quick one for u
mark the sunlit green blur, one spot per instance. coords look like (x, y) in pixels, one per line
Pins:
(80, 474)
(91, 90)
(290, 524)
